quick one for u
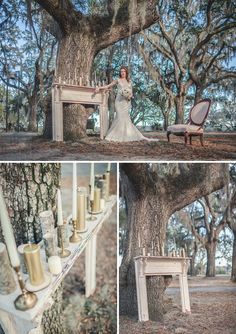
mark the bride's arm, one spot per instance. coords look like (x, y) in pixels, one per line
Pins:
(113, 83)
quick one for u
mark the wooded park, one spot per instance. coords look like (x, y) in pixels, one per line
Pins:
(177, 212)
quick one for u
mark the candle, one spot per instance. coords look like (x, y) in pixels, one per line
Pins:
(59, 80)
(75, 77)
(7, 279)
(139, 240)
(95, 78)
(54, 265)
(108, 167)
(81, 212)
(97, 199)
(92, 181)
(74, 190)
(59, 208)
(144, 251)
(33, 264)
(107, 178)
(8, 233)
(102, 203)
(80, 81)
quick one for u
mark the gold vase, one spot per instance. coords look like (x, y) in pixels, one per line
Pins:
(33, 264)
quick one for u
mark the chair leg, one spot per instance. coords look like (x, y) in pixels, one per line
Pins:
(168, 136)
(186, 138)
(201, 140)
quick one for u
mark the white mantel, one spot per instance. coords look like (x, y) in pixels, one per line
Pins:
(160, 266)
(67, 93)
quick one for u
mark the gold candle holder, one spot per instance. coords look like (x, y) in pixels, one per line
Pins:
(34, 265)
(26, 300)
(75, 238)
(91, 218)
(81, 205)
(64, 252)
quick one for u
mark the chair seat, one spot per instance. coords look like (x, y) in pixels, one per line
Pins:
(182, 128)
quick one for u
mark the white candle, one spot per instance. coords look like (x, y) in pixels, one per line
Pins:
(8, 233)
(80, 81)
(59, 80)
(95, 78)
(102, 203)
(59, 208)
(54, 265)
(92, 181)
(74, 193)
(108, 167)
(139, 240)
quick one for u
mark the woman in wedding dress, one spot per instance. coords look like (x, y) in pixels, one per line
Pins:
(122, 128)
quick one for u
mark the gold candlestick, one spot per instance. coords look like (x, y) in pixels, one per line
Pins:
(64, 252)
(26, 300)
(75, 238)
(91, 211)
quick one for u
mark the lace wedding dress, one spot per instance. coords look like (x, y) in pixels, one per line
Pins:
(122, 128)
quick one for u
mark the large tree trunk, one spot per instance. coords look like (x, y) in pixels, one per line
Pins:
(75, 58)
(28, 189)
(179, 106)
(211, 255)
(147, 218)
(32, 127)
(153, 192)
(193, 259)
(233, 273)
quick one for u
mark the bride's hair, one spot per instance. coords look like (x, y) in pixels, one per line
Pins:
(127, 72)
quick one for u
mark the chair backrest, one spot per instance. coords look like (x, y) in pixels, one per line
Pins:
(199, 112)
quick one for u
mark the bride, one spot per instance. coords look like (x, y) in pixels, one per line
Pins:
(122, 128)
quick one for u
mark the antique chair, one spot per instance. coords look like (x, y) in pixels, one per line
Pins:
(194, 127)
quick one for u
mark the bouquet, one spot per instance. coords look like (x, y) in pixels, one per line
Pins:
(127, 93)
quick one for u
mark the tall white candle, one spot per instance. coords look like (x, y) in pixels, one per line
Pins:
(74, 193)
(108, 167)
(8, 233)
(92, 181)
(59, 208)
(80, 81)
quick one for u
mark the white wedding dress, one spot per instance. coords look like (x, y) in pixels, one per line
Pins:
(122, 128)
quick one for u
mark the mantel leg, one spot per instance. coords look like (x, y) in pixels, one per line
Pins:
(141, 291)
(184, 293)
(90, 266)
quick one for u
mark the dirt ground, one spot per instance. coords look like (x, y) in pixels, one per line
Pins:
(213, 310)
(28, 146)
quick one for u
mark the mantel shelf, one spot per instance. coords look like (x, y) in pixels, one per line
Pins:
(26, 320)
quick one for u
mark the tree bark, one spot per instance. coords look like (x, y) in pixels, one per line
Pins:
(193, 259)
(28, 189)
(211, 254)
(32, 127)
(148, 219)
(233, 272)
(150, 192)
(179, 106)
